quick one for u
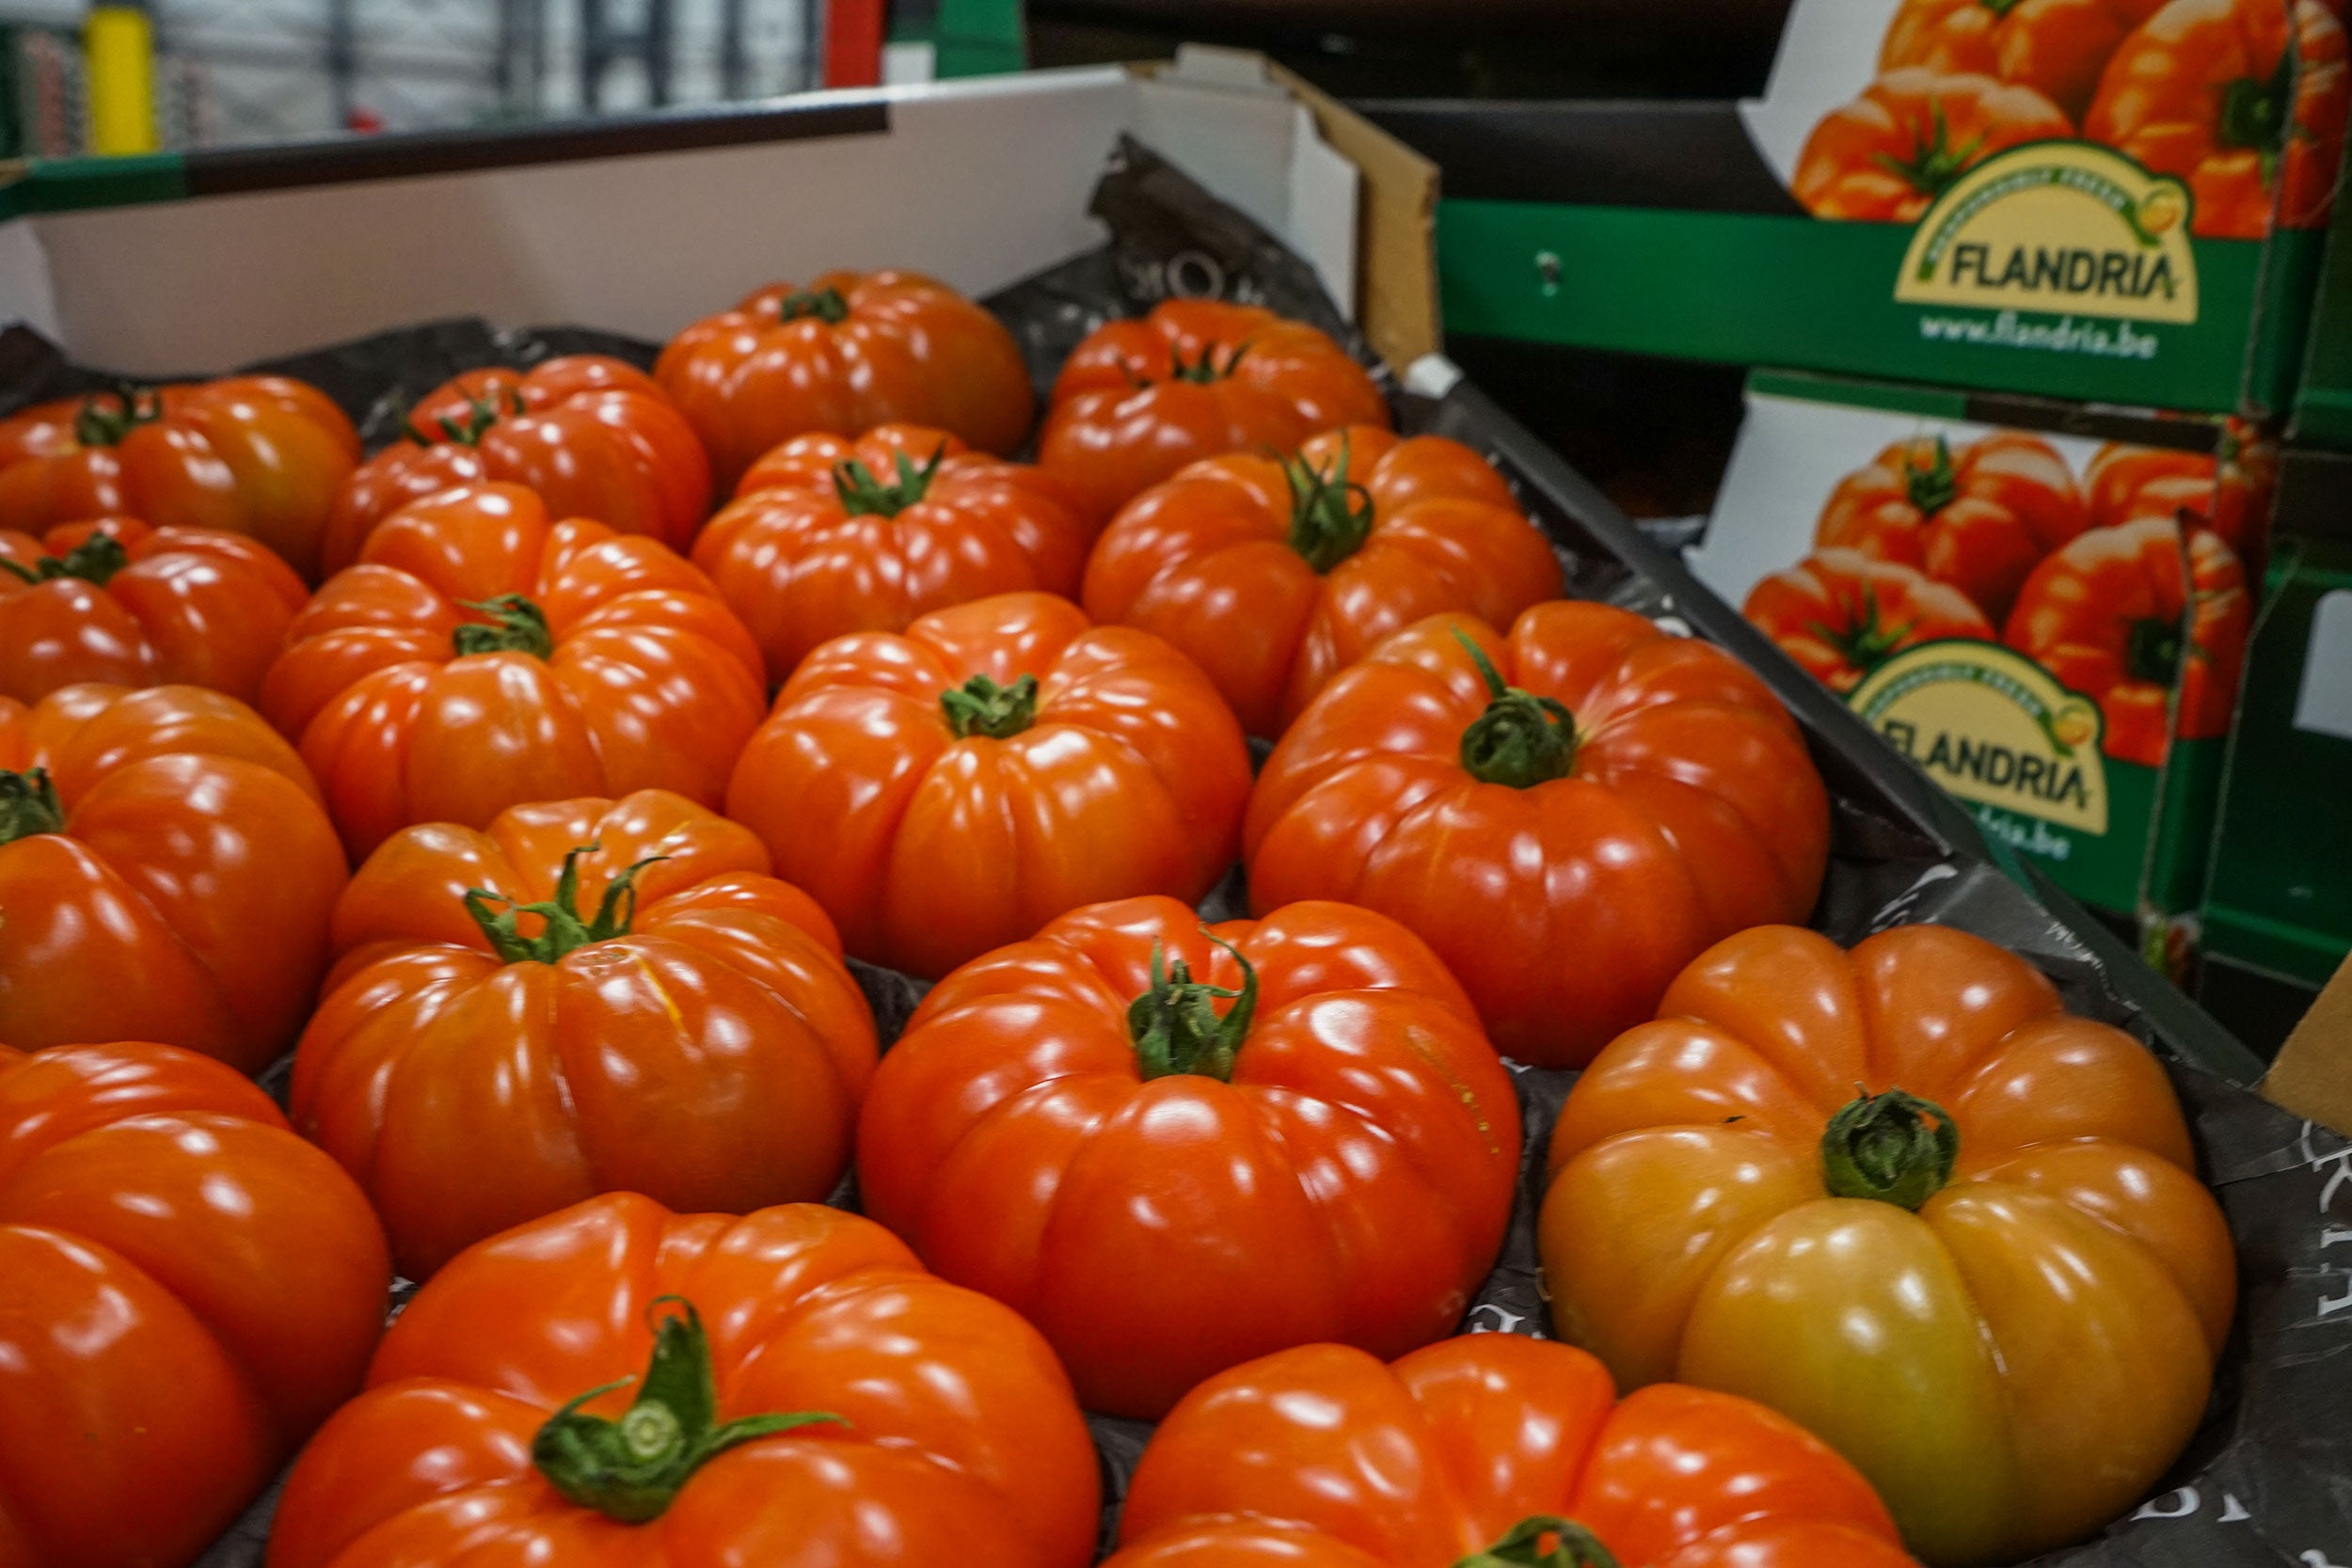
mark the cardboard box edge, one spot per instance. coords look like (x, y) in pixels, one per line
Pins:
(2312, 1075)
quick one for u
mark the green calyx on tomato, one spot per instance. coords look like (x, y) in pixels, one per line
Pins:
(1895, 1147)
(1521, 739)
(1931, 486)
(826, 305)
(562, 929)
(1175, 1025)
(95, 559)
(516, 625)
(632, 1469)
(980, 707)
(865, 494)
(2151, 651)
(1205, 369)
(1934, 162)
(2255, 114)
(1330, 515)
(480, 414)
(1542, 1541)
(28, 805)
(1866, 643)
(98, 425)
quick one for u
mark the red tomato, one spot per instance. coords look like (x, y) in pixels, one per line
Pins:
(809, 1399)
(1841, 614)
(1887, 156)
(1980, 518)
(674, 1022)
(2228, 492)
(844, 353)
(593, 434)
(1139, 400)
(2056, 47)
(953, 789)
(480, 657)
(1274, 575)
(189, 1290)
(256, 454)
(2124, 614)
(165, 872)
(113, 600)
(829, 536)
(1168, 1188)
(1321, 1457)
(1567, 841)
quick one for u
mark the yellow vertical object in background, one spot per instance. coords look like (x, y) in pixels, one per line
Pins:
(118, 46)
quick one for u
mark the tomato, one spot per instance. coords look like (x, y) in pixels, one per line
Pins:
(809, 1398)
(844, 353)
(2120, 616)
(1139, 400)
(1565, 842)
(1323, 1458)
(1175, 1147)
(255, 455)
(952, 789)
(1274, 575)
(165, 872)
(829, 536)
(1980, 518)
(1841, 614)
(2228, 492)
(479, 657)
(190, 1289)
(113, 600)
(2056, 47)
(587, 996)
(1887, 156)
(2246, 105)
(593, 434)
(1899, 1196)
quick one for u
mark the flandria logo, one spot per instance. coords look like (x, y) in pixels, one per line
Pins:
(2058, 227)
(1994, 727)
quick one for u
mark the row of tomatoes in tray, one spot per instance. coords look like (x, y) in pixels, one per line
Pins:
(566, 1019)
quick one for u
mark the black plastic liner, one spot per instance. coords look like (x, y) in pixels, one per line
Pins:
(2268, 1480)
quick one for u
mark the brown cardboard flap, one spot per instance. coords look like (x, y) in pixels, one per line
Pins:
(2312, 1076)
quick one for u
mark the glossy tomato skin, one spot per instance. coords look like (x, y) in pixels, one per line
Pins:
(2163, 101)
(2057, 47)
(190, 1289)
(1841, 614)
(1350, 1180)
(2123, 612)
(1208, 560)
(1879, 159)
(960, 1441)
(593, 434)
(2229, 492)
(648, 681)
(1690, 810)
(2014, 1363)
(189, 607)
(928, 849)
(1323, 1457)
(903, 348)
(1979, 516)
(801, 567)
(263, 455)
(713, 1057)
(184, 897)
(1134, 405)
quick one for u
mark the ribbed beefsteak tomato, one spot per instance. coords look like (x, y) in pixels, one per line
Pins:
(1139, 400)
(1841, 614)
(1481, 1452)
(115, 600)
(591, 433)
(480, 656)
(1980, 518)
(586, 996)
(2124, 614)
(166, 872)
(2057, 47)
(1901, 1197)
(1274, 575)
(1569, 815)
(809, 1398)
(2227, 491)
(263, 455)
(1887, 156)
(189, 1290)
(844, 353)
(950, 790)
(1175, 1147)
(829, 535)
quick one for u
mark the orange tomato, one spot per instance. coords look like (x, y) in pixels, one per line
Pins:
(2227, 491)
(2056, 47)
(1841, 614)
(1887, 156)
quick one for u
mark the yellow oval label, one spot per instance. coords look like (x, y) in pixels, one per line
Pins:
(2056, 227)
(1991, 726)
